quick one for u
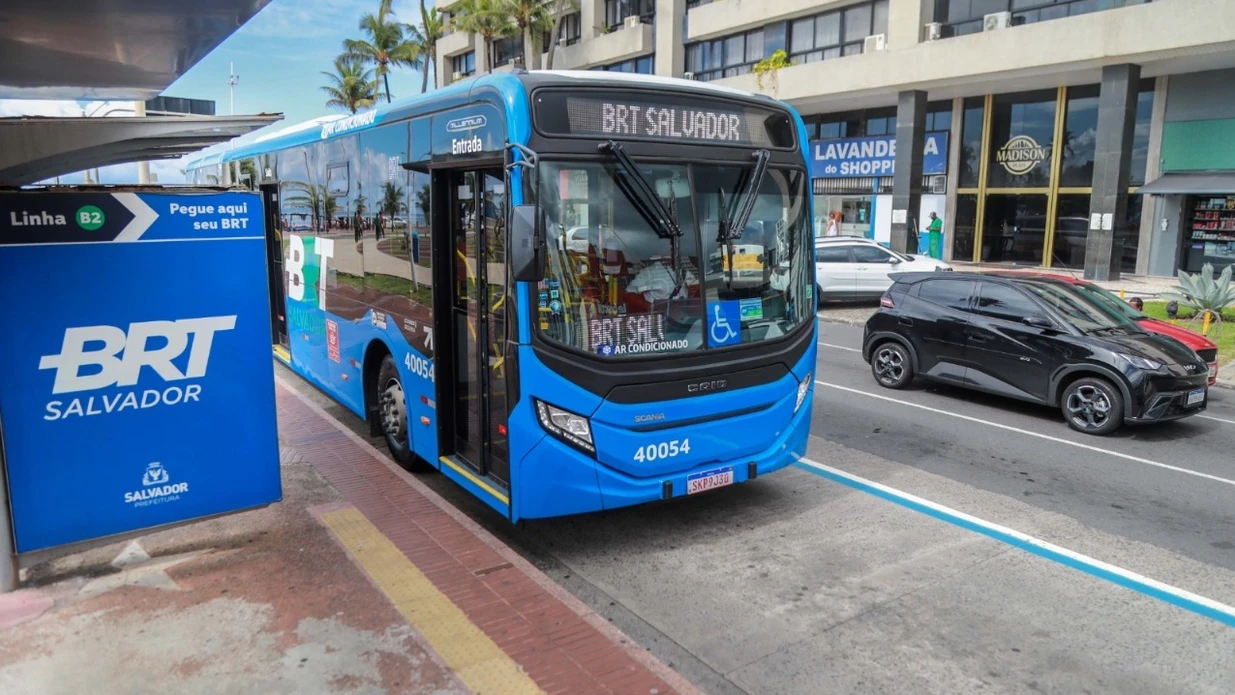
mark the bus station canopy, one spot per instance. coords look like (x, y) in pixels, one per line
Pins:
(37, 149)
(109, 49)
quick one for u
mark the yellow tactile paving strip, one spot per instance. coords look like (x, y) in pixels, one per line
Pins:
(476, 660)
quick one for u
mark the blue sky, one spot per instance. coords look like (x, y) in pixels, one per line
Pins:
(279, 56)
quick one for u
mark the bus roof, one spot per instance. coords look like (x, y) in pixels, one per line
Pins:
(456, 94)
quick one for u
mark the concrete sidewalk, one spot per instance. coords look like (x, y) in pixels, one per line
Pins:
(362, 580)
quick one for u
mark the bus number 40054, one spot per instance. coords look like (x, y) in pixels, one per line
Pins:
(419, 366)
(663, 450)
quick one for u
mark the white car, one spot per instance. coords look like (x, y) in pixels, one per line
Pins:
(851, 268)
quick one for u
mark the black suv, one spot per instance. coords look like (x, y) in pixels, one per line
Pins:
(1035, 339)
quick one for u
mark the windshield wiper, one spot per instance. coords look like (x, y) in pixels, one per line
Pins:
(734, 224)
(737, 214)
(662, 218)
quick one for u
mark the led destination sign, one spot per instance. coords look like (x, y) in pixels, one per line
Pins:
(671, 118)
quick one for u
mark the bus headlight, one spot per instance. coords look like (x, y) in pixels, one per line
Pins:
(566, 426)
(803, 389)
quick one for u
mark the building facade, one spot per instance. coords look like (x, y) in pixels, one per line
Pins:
(1082, 134)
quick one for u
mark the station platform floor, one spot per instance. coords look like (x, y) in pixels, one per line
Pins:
(362, 580)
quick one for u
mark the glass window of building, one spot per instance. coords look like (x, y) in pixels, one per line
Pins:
(729, 56)
(571, 29)
(833, 34)
(939, 116)
(643, 65)
(960, 17)
(775, 38)
(616, 12)
(1140, 138)
(1081, 130)
(464, 64)
(1022, 138)
(506, 50)
(1071, 231)
(1014, 228)
(964, 226)
(1023, 212)
(971, 141)
(1080, 136)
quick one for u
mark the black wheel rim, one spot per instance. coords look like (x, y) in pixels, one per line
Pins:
(1089, 407)
(889, 366)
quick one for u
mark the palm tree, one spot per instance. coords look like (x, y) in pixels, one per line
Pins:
(352, 85)
(392, 199)
(486, 18)
(422, 202)
(533, 18)
(387, 45)
(561, 8)
(431, 30)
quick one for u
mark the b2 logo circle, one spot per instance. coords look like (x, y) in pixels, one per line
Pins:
(89, 218)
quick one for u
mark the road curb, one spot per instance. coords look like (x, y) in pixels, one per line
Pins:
(1226, 382)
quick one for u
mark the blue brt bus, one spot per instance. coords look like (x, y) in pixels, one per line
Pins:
(567, 291)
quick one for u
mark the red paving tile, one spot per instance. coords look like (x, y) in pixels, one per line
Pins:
(560, 644)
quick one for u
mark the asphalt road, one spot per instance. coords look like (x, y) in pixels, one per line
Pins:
(806, 581)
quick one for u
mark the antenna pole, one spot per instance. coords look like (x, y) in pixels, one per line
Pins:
(232, 79)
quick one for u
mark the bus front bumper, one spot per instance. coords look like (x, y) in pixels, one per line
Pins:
(581, 484)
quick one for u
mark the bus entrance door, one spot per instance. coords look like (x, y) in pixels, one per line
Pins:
(274, 259)
(477, 323)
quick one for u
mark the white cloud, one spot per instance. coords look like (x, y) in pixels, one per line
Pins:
(295, 19)
(48, 107)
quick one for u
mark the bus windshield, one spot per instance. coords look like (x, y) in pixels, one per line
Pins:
(615, 287)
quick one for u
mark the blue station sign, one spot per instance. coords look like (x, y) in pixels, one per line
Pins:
(873, 156)
(136, 384)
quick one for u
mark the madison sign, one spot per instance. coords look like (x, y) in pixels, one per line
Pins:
(1020, 155)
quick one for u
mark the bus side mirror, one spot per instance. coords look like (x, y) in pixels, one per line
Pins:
(527, 256)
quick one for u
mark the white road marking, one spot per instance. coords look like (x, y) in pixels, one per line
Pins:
(1087, 447)
(1093, 566)
(840, 347)
(1206, 417)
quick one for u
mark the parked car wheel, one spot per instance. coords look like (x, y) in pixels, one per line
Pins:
(1093, 406)
(891, 365)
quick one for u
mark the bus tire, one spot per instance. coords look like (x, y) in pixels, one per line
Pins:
(393, 416)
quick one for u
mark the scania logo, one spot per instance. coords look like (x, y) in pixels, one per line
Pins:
(469, 123)
(649, 418)
(707, 386)
(1020, 155)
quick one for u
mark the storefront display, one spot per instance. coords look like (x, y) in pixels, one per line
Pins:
(1210, 235)
(853, 182)
(1026, 178)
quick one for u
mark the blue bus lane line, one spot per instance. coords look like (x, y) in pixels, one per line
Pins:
(1175, 596)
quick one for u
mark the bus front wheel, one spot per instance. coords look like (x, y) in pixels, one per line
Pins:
(393, 417)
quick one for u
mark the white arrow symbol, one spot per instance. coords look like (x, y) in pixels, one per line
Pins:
(143, 216)
(428, 337)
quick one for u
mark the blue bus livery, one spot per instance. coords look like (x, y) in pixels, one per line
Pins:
(567, 291)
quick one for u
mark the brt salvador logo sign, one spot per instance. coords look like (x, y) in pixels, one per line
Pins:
(1020, 155)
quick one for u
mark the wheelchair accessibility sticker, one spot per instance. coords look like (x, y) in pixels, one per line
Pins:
(724, 325)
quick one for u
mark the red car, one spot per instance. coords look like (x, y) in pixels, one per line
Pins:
(1202, 346)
